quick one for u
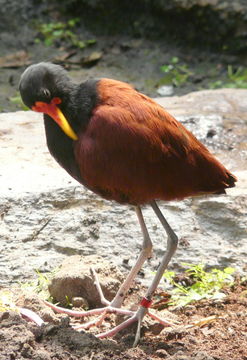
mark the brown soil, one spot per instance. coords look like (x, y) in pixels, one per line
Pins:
(224, 338)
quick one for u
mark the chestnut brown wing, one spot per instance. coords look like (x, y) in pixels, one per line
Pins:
(137, 154)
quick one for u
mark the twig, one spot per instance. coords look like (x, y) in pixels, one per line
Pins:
(37, 232)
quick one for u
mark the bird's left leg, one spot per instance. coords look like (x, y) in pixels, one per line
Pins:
(172, 242)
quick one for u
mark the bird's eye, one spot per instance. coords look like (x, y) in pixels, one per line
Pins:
(46, 93)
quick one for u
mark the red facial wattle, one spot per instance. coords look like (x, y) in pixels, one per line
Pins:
(56, 114)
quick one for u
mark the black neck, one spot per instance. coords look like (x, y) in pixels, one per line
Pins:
(77, 109)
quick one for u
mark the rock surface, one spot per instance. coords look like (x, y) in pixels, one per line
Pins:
(47, 216)
(74, 279)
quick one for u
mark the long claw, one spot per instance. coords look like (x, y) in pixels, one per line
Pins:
(138, 333)
(86, 325)
(31, 316)
(162, 321)
(133, 316)
(117, 328)
(74, 312)
(95, 322)
(107, 309)
(97, 284)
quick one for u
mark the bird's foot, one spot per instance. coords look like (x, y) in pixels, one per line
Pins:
(112, 307)
(132, 317)
(100, 311)
(109, 308)
(136, 317)
(30, 315)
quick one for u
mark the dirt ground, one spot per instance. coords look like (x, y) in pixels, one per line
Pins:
(222, 338)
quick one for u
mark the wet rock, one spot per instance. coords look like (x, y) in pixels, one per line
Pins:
(75, 280)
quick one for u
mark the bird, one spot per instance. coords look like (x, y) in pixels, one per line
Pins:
(124, 147)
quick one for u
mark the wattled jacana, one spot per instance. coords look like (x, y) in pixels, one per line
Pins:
(125, 147)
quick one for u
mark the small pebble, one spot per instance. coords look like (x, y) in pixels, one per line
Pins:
(161, 353)
(166, 90)
(79, 302)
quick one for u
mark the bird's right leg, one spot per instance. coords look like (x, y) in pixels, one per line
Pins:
(145, 253)
(115, 304)
(145, 303)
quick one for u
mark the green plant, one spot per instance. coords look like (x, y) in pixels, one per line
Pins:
(176, 73)
(18, 101)
(62, 31)
(205, 284)
(40, 284)
(235, 79)
(68, 302)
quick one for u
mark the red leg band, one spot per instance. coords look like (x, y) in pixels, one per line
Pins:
(145, 302)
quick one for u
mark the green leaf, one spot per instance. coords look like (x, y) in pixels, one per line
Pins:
(207, 284)
(57, 33)
(166, 68)
(174, 60)
(91, 41)
(73, 22)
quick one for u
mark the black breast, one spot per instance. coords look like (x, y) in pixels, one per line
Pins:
(61, 148)
(77, 110)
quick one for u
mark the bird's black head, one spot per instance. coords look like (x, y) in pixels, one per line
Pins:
(42, 82)
(43, 87)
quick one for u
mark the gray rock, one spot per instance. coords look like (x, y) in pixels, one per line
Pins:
(46, 216)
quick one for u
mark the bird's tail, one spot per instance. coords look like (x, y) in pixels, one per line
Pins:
(231, 180)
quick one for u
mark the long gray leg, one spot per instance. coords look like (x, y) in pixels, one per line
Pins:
(146, 252)
(144, 255)
(172, 242)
